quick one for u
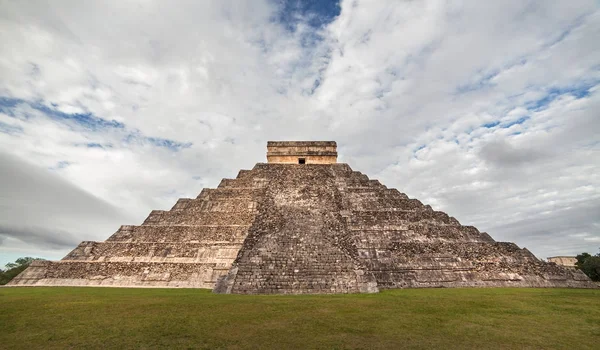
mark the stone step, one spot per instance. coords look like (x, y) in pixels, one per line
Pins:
(181, 233)
(246, 182)
(169, 251)
(229, 193)
(166, 218)
(383, 217)
(114, 274)
(480, 252)
(418, 233)
(231, 205)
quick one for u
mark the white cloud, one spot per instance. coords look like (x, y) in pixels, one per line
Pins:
(405, 88)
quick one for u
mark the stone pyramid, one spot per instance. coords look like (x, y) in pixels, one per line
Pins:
(300, 223)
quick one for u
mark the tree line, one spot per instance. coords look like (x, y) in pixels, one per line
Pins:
(11, 270)
(590, 265)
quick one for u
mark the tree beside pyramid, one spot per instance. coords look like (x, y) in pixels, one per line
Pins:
(15, 268)
(300, 223)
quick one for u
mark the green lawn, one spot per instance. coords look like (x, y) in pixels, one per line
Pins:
(58, 318)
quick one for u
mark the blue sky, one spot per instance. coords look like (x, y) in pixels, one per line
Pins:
(485, 110)
(314, 13)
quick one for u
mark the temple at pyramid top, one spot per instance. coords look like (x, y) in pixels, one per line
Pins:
(302, 152)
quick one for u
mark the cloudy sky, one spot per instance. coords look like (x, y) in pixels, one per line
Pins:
(489, 111)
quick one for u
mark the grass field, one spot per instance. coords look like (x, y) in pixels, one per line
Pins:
(59, 318)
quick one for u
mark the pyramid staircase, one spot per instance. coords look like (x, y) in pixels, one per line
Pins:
(300, 228)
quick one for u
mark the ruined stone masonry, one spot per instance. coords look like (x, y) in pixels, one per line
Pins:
(301, 223)
(568, 261)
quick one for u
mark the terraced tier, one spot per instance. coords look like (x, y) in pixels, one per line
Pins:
(191, 245)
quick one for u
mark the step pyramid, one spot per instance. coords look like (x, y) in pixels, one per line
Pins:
(300, 223)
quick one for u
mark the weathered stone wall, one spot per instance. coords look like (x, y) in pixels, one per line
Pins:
(568, 261)
(313, 152)
(191, 245)
(309, 159)
(388, 239)
(404, 243)
(119, 274)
